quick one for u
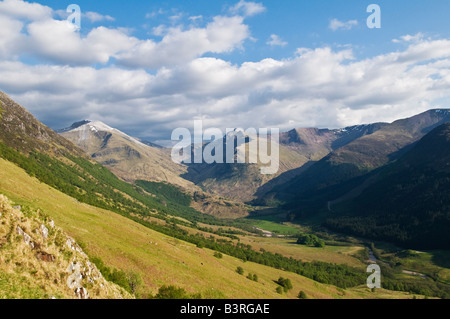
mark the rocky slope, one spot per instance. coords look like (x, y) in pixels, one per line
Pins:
(38, 260)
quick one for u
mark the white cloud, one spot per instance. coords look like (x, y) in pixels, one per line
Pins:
(335, 24)
(70, 48)
(410, 38)
(178, 46)
(248, 9)
(195, 18)
(59, 42)
(97, 17)
(275, 40)
(317, 87)
(24, 10)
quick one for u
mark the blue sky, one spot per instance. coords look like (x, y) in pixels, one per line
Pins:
(147, 67)
(300, 23)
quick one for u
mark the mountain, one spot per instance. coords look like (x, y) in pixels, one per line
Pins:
(299, 148)
(125, 156)
(57, 162)
(341, 170)
(20, 130)
(408, 202)
(132, 160)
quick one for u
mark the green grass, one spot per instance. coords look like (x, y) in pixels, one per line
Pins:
(274, 227)
(13, 286)
(159, 259)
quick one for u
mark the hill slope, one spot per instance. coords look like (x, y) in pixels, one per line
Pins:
(125, 156)
(20, 130)
(158, 258)
(409, 201)
(348, 163)
(37, 260)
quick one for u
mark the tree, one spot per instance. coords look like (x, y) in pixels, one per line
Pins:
(240, 270)
(302, 295)
(310, 240)
(285, 283)
(279, 290)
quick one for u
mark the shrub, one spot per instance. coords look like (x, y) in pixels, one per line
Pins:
(285, 283)
(302, 295)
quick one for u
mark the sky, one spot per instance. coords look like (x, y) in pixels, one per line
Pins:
(149, 67)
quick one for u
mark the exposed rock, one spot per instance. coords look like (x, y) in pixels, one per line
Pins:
(25, 236)
(73, 245)
(81, 293)
(43, 256)
(52, 223)
(18, 207)
(44, 231)
(74, 280)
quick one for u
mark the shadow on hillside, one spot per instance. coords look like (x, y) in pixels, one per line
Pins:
(285, 177)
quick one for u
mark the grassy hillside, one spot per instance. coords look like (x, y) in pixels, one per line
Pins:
(38, 260)
(159, 259)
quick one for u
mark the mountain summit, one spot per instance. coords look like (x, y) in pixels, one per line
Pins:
(124, 155)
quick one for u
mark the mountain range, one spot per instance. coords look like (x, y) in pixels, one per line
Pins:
(127, 203)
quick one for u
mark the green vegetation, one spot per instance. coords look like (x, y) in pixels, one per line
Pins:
(271, 224)
(166, 191)
(218, 255)
(172, 292)
(93, 184)
(302, 295)
(95, 179)
(253, 277)
(240, 270)
(285, 284)
(106, 233)
(130, 280)
(310, 240)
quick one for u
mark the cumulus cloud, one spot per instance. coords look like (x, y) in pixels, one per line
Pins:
(24, 10)
(58, 41)
(178, 46)
(336, 25)
(275, 40)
